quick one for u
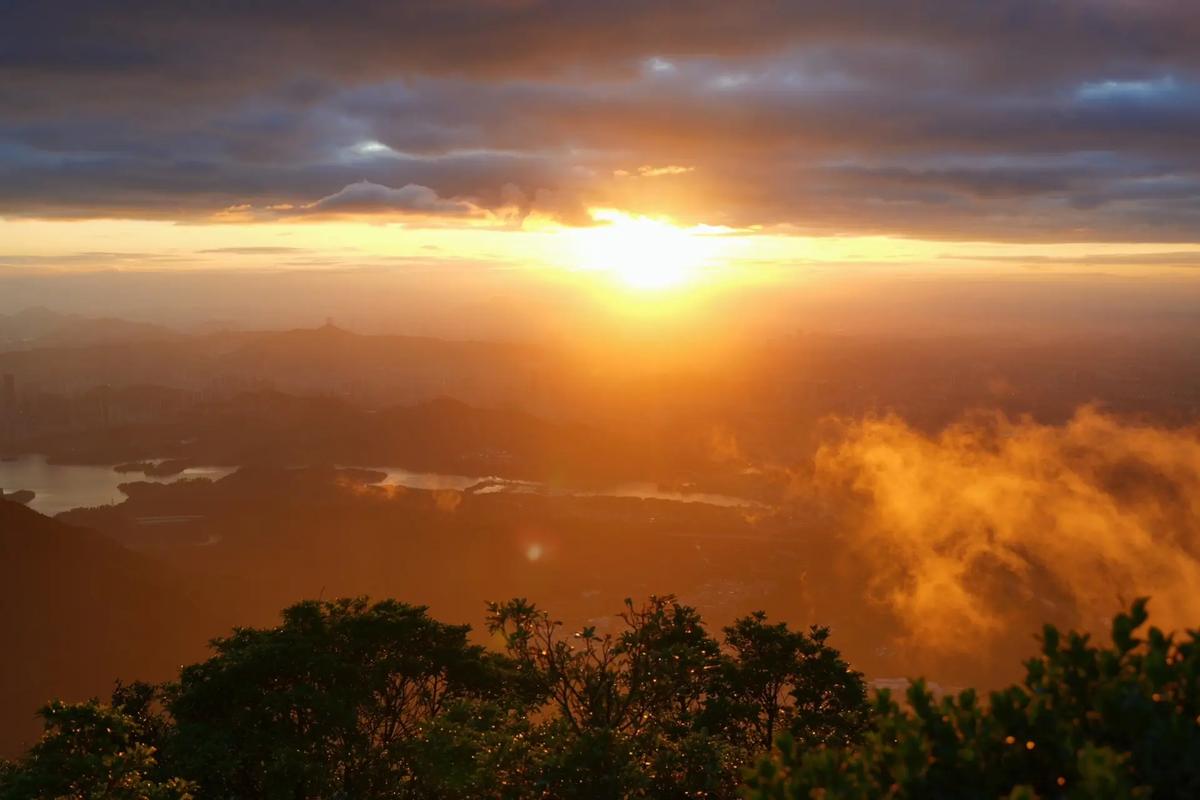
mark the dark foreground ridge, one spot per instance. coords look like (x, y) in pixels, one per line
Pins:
(353, 699)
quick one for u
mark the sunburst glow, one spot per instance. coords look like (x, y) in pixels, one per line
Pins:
(641, 252)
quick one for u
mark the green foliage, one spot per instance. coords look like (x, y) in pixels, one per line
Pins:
(661, 709)
(475, 749)
(1087, 722)
(90, 751)
(652, 675)
(782, 680)
(347, 699)
(627, 707)
(325, 705)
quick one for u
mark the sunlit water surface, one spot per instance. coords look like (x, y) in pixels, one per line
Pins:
(61, 487)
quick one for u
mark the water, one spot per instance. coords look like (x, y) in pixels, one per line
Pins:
(426, 480)
(650, 491)
(495, 485)
(61, 487)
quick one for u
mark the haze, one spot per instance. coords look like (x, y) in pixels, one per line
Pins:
(878, 315)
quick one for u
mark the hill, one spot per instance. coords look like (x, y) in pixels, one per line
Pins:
(81, 610)
(42, 328)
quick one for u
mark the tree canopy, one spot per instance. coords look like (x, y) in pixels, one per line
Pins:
(353, 699)
(1120, 721)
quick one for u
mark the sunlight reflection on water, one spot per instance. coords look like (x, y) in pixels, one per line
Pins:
(61, 487)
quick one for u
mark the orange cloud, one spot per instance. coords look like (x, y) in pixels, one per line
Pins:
(969, 533)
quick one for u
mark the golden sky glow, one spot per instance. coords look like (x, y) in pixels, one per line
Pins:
(633, 251)
(720, 142)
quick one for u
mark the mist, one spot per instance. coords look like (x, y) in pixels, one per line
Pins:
(978, 531)
(520, 399)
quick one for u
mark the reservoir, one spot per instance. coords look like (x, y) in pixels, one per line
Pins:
(61, 487)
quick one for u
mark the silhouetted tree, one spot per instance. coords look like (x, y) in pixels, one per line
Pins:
(654, 673)
(328, 704)
(90, 751)
(776, 679)
(348, 699)
(1087, 722)
(627, 705)
(658, 708)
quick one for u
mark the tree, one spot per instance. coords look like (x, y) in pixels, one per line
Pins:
(661, 709)
(90, 751)
(776, 679)
(653, 674)
(327, 704)
(629, 705)
(1087, 722)
(479, 749)
(348, 699)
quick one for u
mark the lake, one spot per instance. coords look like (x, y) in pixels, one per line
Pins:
(61, 487)
(644, 490)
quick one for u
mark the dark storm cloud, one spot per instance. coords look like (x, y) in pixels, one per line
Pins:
(994, 119)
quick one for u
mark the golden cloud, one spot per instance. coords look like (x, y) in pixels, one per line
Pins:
(969, 533)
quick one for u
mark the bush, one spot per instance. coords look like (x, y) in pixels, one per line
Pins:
(1087, 722)
(91, 751)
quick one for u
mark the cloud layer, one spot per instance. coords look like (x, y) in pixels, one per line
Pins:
(979, 119)
(995, 525)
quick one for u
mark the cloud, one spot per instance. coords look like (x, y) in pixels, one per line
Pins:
(253, 251)
(92, 258)
(563, 205)
(868, 116)
(1175, 258)
(995, 524)
(127, 39)
(365, 197)
(647, 171)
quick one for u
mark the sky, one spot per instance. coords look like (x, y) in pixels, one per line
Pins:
(653, 144)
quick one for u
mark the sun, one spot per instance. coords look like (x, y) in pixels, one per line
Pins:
(641, 252)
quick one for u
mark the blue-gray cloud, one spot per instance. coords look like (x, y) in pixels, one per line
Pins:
(1000, 119)
(365, 197)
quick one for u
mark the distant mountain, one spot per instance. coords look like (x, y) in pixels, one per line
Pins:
(373, 370)
(440, 435)
(403, 367)
(80, 610)
(41, 327)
